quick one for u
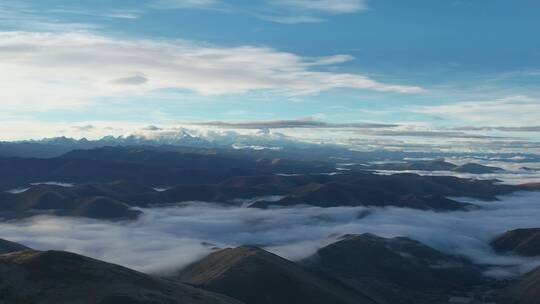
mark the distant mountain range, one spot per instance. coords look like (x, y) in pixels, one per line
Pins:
(267, 144)
(109, 181)
(147, 165)
(56, 146)
(435, 165)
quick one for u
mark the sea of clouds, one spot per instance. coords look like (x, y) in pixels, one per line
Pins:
(168, 238)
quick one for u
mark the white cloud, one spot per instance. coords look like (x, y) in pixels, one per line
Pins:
(328, 6)
(510, 111)
(42, 71)
(280, 11)
(20, 15)
(102, 13)
(305, 123)
(291, 19)
(183, 4)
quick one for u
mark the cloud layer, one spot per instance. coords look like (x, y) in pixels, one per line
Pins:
(66, 70)
(168, 238)
(296, 123)
(502, 112)
(332, 6)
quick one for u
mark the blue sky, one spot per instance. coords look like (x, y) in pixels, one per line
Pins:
(425, 65)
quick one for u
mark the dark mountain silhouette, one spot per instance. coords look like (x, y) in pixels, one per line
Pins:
(256, 276)
(435, 165)
(359, 268)
(216, 160)
(57, 277)
(151, 166)
(356, 189)
(525, 242)
(86, 201)
(396, 270)
(476, 169)
(114, 200)
(215, 176)
(530, 186)
(56, 146)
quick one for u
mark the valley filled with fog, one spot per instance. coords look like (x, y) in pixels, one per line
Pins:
(464, 224)
(166, 238)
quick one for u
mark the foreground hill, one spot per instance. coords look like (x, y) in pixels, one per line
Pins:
(525, 242)
(525, 291)
(396, 270)
(256, 276)
(359, 268)
(7, 247)
(60, 277)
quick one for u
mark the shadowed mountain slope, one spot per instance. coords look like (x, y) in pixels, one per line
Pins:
(256, 276)
(60, 277)
(525, 242)
(525, 291)
(396, 270)
(7, 247)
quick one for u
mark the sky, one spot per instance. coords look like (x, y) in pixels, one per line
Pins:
(437, 71)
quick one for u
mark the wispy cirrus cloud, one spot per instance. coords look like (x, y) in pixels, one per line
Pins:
(56, 17)
(500, 128)
(293, 124)
(70, 70)
(510, 111)
(327, 6)
(126, 13)
(431, 134)
(184, 4)
(19, 15)
(280, 11)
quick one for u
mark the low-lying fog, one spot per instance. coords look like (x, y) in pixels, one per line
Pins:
(171, 237)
